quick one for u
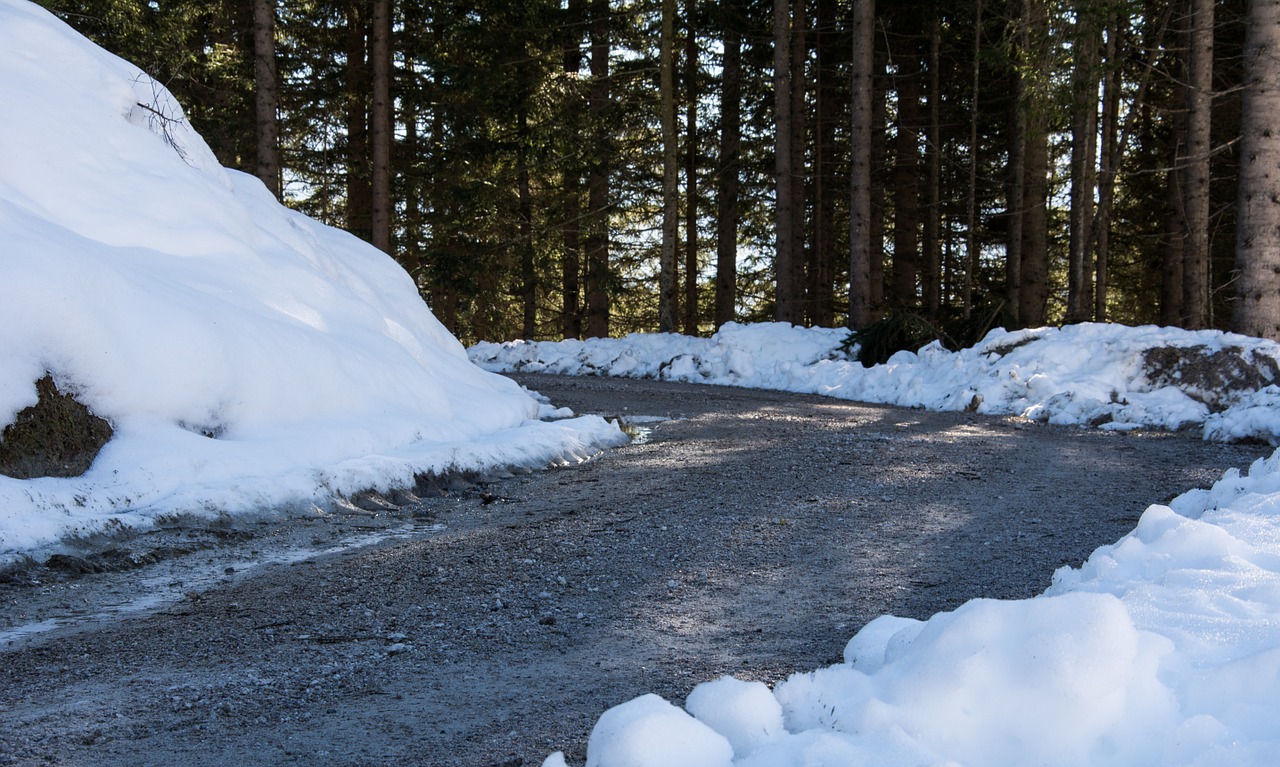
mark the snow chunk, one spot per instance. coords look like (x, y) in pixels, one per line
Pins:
(745, 713)
(650, 732)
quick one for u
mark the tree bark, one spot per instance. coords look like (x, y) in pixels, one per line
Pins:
(1108, 163)
(879, 142)
(906, 184)
(728, 179)
(571, 266)
(528, 267)
(1257, 306)
(971, 213)
(1034, 274)
(788, 289)
(1084, 166)
(410, 254)
(1017, 183)
(1195, 270)
(691, 172)
(799, 144)
(571, 263)
(667, 290)
(266, 94)
(380, 124)
(1175, 237)
(359, 187)
(931, 245)
(821, 267)
(597, 239)
(860, 172)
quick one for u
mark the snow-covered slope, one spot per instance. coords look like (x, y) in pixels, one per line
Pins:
(177, 298)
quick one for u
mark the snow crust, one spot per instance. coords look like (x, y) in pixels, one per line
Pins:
(1088, 374)
(178, 299)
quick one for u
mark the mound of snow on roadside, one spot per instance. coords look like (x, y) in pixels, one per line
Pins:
(178, 299)
(1162, 650)
(1111, 376)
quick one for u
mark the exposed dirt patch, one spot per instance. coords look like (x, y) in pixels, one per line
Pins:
(56, 437)
(1215, 377)
(752, 533)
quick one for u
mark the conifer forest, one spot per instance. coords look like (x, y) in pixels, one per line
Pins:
(549, 169)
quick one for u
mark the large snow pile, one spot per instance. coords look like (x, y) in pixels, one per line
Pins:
(1162, 650)
(1111, 376)
(246, 355)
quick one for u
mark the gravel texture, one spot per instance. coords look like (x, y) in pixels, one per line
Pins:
(748, 532)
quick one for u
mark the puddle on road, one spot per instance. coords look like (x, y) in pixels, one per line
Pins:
(639, 427)
(99, 598)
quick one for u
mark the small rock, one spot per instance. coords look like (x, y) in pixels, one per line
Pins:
(373, 502)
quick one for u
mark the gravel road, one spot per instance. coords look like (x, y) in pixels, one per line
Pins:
(742, 532)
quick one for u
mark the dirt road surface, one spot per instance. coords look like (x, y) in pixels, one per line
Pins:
(746, 532)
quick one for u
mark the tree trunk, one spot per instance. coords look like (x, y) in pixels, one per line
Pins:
(860, 172)
(1016, 189)
(799, 143)
(571, 264)
(1108, 165)
(906, 184)
(380, 123)
(1195, 269)
(788, 290)
(971, 213)
(1175, 238)
(1084, 166)
(440, 213)
(1034, 274)
(691, 174)
(821, 283)
(266, 94)
(359, 187)
(730, 149)
(879, 142)
(667, 286)
(410, 255)
(597, 240)
(528, 267)
(1257, 306)
(931, 250)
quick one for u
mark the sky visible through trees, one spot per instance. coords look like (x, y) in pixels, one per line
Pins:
(557, 168)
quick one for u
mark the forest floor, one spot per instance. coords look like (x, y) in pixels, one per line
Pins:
(743, 532)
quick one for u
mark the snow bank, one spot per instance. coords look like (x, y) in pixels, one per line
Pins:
(1103, 375)
(1161, 650)
(178, 299)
